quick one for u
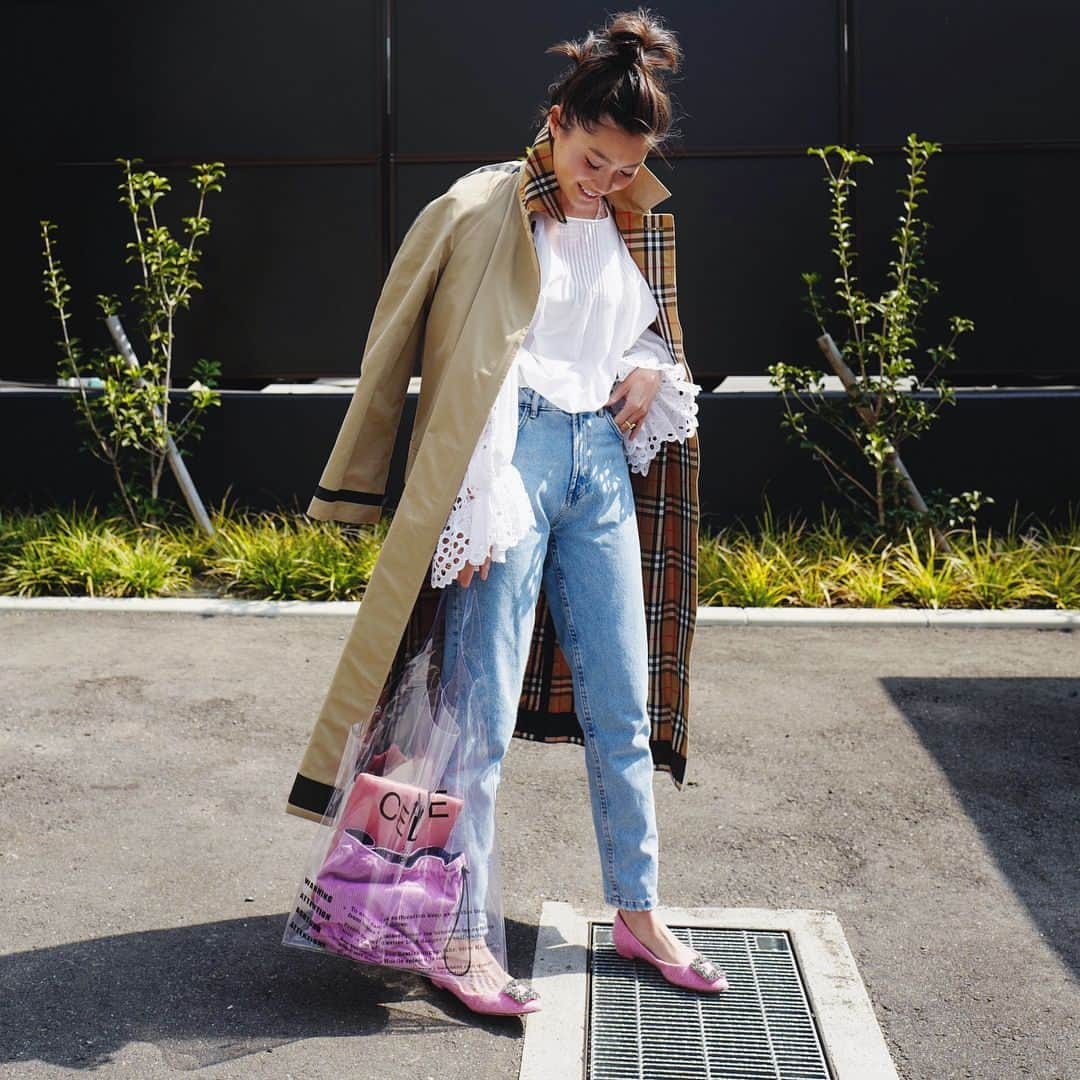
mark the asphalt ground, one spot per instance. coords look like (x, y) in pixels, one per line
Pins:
(924, 784)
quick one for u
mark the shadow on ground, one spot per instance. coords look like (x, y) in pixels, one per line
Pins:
(215, 992)
(1010, 748)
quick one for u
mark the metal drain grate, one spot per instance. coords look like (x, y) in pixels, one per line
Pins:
(760, 1028)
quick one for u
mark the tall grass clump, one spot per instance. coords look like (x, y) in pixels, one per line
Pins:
(796, 564)
(276, 557)
(76, 554)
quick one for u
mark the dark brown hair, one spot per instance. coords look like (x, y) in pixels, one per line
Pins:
(619, 73)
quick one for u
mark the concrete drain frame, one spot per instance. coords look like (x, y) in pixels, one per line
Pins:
(842, 1017)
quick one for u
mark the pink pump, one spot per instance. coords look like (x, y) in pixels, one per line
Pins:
(514, 999)
(699, 974)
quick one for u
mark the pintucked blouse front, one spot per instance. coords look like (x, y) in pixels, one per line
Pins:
(594, 304)
(589, 331)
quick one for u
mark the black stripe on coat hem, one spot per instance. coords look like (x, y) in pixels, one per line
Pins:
(368, 498)
(310, 795)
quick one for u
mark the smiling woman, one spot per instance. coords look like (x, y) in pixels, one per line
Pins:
(555, 446)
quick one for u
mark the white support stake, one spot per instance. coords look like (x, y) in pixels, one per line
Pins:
(176, 462)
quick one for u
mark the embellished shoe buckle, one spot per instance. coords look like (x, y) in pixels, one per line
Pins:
(705, 968)
(520, 992)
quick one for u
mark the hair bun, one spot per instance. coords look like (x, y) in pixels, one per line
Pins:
(618, 76)
(628, 48)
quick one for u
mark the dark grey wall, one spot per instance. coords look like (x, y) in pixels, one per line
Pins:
(268, 450)
(330, 155)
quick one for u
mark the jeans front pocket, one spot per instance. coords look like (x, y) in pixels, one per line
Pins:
(523, 412)
(610, 415)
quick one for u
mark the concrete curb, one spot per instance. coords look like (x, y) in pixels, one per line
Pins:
(970, 618)
(176, 605)
(974, 618)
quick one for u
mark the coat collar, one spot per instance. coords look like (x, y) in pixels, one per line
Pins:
(538, 184)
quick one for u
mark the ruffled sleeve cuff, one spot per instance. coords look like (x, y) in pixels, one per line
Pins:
(672, 416)
(489, 519)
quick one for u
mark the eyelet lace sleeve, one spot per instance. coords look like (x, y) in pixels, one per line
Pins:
(672, 416)
(492, 510)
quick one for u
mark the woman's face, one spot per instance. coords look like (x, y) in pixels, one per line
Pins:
(588, 166)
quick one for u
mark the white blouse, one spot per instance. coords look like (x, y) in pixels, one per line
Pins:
(589, 331)
(594, 303)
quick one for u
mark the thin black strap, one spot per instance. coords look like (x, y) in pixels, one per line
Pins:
(468, 924)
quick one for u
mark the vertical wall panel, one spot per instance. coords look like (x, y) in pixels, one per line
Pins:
(1000, 248)
(757, 75)
(967, 72)
(193, 80)
(286, 95)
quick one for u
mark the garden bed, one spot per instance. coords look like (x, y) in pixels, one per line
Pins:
(275, 556)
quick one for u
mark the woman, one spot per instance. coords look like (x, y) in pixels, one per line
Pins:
(546, 520)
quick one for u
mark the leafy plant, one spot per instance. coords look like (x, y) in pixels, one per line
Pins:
(745, 577)
(128, 423)
(277, 557)
(79, 555)
(884, 401)
(1055, 572)
(920, 575)
(863, 581)
(997, 576)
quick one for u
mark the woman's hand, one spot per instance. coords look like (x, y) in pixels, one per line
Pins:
(638, 388)
(465, 574)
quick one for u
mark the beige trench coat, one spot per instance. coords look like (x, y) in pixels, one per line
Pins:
(460, 294)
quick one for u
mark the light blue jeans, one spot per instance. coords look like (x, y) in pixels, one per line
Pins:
(585, 551)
